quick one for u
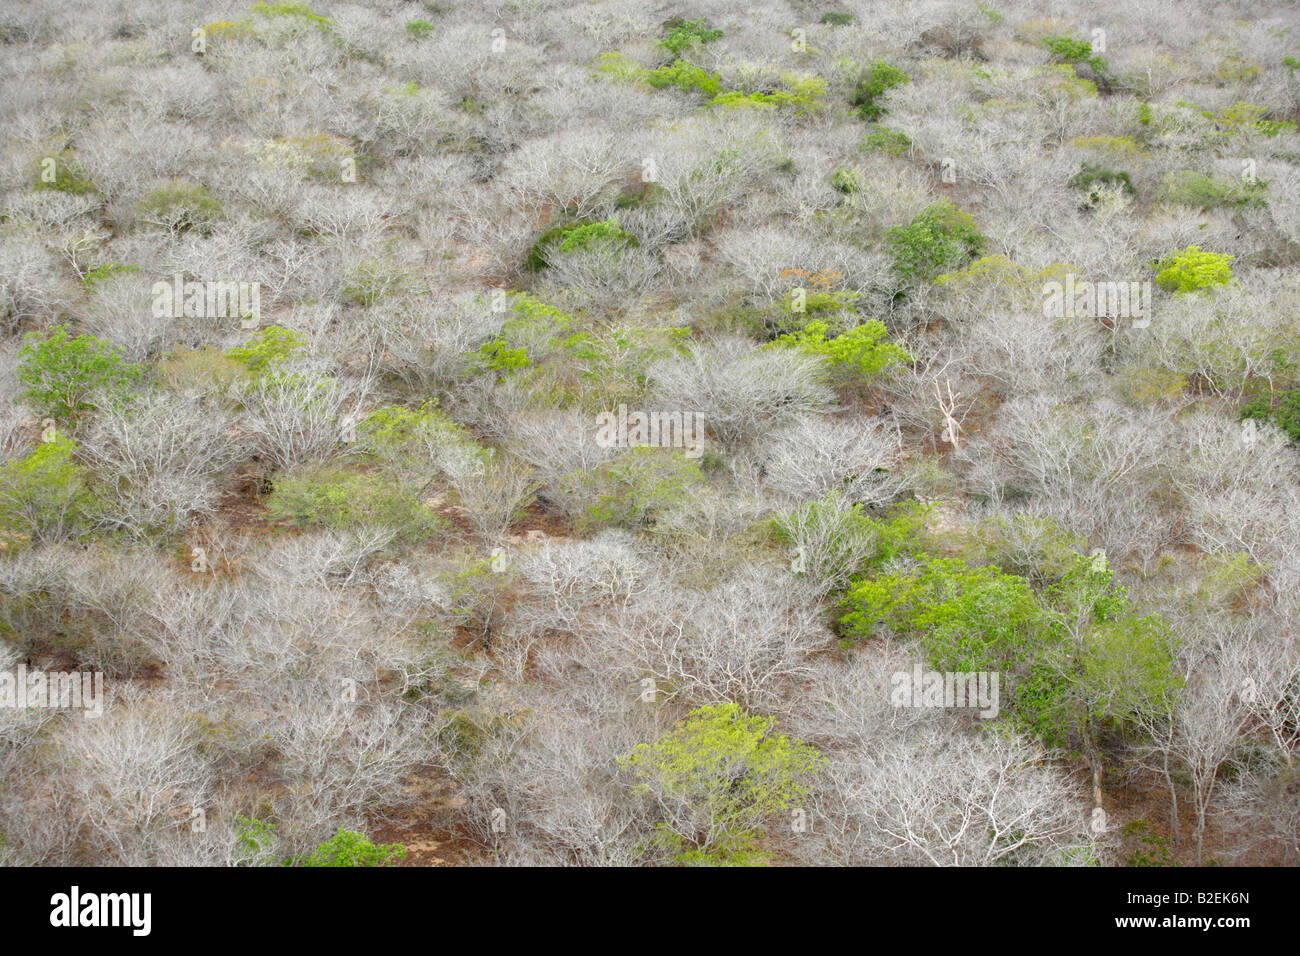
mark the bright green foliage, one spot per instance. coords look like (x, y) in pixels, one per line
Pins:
(499, 357)
(889, 141)
(255, 840)
(836, 18)
(336, 498)
(268, 348)
(864, 350)
(802, 91)
(969, 618)
(420, 29)
(1068, 49)
(402, 441)
(683, 34)
(69, 177)
(584, 235)
(721, 773)
(181, 207)
(847, 181)
(65, 375)
(1193, 269)
(687, 77)
(348, 848)
(1282, 410)
(938, 240)
(534, 330)
(634, 486)
(297, 10)
(1190, 188)
(1090, 177)
(44, 495)
(105, 271)
(876, 80)
(574, 236)
(1107, 666)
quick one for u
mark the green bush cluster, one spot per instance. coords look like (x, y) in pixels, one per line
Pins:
(938, 240)
(728, 772)
(65, 375)
(181, 207)
(1193, 269)
(683, 34)
(333, 497)
(876, 80)
(267, 349)
(885, 140)
(1190, 188)
(1068, 49)
(1090, 177)
(863, 351)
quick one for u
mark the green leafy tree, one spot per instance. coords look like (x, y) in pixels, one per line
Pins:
(269, 347)
(863, 351)
(1193, 269)
(968, 618)
(939, 239)
(718, 776)
(45, 494)
(1107, 668)
(683, 34)
(349, 848)
(65, 375)
(876, 80)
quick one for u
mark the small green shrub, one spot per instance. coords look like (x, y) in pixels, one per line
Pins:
(1193, 269)
(348, 848)
(419, 29)
(268, 348)
(634, 486)
(104, 272)
(335, 498)
(1190, 188)
(863, 351)
(683, 34)
(836, 18)
(44, 495)
(65, 375)
(728, 772)
(687, 77)
(589, 233)
(876, 80)
(847, 181)
(891, 142)
(294, 10)
(69, 177)
(180, 207)
(1283, 410)
(940, 239)
(1090, 177)
(1068, 49)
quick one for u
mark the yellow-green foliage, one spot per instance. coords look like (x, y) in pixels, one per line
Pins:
(342, 499)
(726, 772)
(268, 348)
(1193, 269)
(44, 496)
